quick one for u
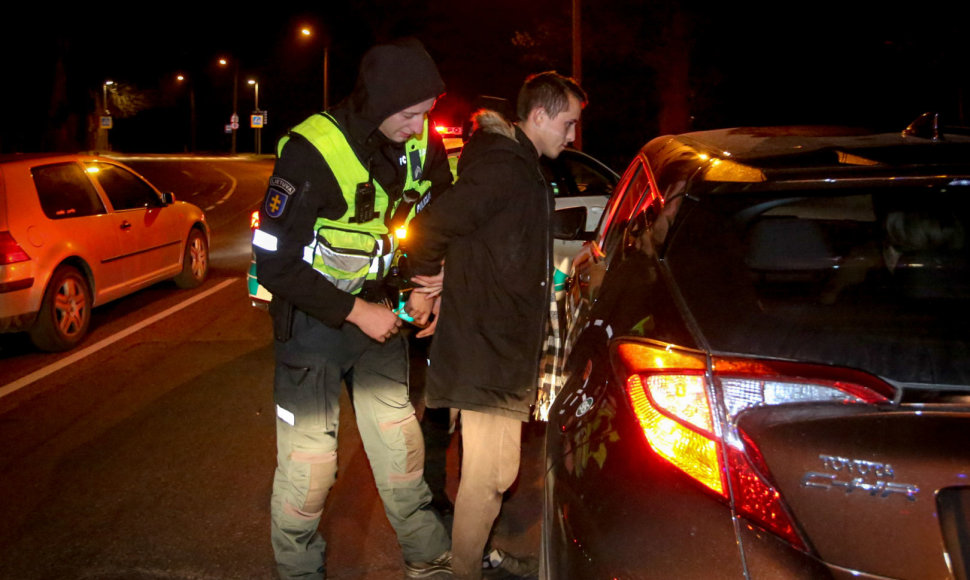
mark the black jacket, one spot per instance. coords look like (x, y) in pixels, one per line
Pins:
(492, 228)
(392, 78)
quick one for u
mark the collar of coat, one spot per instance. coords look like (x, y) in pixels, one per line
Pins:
(493, 122)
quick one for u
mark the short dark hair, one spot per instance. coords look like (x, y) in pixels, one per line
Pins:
(549, 90)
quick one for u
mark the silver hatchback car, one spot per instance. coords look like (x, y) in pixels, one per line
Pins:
(77, 231)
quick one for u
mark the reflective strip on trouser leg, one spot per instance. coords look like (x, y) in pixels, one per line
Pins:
(395, 448)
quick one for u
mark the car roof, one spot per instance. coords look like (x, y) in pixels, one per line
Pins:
(752, 158)
(8, 158)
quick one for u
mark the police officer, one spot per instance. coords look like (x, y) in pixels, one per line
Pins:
(343, 181)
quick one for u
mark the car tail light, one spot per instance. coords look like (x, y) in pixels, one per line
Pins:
(10, 250)
(254, 220)
(669, 390)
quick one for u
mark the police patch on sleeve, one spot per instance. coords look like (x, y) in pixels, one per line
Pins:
(277, 197)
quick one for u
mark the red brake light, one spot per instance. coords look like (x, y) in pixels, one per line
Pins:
(10, 250)
(254, 220)
(670, 392)
(695, 453)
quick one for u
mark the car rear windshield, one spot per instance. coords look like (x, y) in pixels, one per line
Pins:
(65, 192)
(875, 279)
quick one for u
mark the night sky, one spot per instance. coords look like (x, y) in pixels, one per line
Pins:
(649, 67)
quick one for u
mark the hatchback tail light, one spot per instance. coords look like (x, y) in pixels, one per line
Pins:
(671, 395)
(10, 250)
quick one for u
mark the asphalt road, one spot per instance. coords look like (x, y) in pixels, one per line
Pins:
(148, 451)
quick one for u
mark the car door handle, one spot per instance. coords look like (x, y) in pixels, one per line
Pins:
(126, 225)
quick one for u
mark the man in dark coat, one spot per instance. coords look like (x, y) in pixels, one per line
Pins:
(492, 232)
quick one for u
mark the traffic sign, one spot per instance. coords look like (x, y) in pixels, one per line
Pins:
(256, 121)
(106, 122)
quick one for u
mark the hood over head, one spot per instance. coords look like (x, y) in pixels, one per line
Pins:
(393, 77)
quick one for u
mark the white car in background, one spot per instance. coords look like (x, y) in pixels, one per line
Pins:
(77, 231)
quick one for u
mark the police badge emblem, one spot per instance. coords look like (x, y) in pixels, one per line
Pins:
(277, 197)
(275, 202)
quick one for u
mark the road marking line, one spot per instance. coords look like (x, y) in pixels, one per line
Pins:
(50, 369)
(232, 189)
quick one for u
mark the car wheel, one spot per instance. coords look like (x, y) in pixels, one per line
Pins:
(65, 312)
(195, 263)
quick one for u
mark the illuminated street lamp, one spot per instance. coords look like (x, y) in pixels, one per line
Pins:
(234, 120)
(255, 84)
(104, 95)
(180, 78)
(105, 122)
(307, 32)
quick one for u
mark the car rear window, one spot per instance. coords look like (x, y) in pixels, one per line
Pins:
(872, 279)
(65, 192)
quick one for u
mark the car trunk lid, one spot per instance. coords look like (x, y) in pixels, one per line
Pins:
(862, 482)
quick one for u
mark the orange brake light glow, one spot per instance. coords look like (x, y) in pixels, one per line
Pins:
(696, 454)
(668, 391)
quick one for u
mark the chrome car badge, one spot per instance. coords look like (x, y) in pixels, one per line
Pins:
(584, 406)
(852, 475)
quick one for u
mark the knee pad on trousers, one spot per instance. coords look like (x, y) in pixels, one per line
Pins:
(410, 430)
(322, 475)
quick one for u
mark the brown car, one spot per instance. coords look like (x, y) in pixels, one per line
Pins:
(77, 231)
(769, 363)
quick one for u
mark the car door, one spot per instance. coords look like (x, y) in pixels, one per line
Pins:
(590, 264)
(150, 240)
(577, 180)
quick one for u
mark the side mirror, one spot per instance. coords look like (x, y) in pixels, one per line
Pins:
(168, 198)
(569, 223)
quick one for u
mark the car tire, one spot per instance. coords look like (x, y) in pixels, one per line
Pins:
(195, 262)
(65, 312)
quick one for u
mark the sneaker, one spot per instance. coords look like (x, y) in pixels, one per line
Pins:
(500, 564)
(440, 567)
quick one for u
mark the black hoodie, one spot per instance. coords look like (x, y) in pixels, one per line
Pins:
(392, 78)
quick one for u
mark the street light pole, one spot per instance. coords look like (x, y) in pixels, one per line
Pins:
(307, 32)
(234, 119)
(104, 95)
(326, 77)
(258, 130)
(191, 87)
(102, 128)
(577, 62)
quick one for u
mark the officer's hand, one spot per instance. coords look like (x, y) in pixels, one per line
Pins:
(419, 307)
(376, 320)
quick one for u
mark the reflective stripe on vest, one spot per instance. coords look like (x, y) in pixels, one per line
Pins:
(349, 253)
